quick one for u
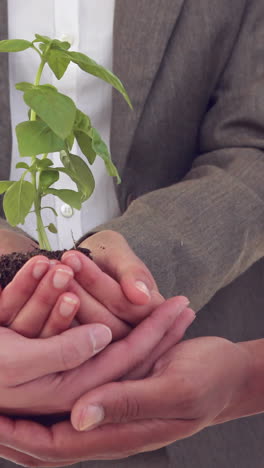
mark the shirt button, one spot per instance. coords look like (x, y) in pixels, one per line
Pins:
(66, 210)
(66, 38)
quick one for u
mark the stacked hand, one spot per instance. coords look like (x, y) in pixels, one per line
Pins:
(143, 390)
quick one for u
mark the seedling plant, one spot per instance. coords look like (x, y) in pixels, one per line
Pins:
(53, 125)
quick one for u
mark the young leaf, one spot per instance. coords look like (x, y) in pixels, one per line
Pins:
(14, 45)
(4, 185)
(58, 63)
(55, 109)
(22, 165)
(24, 86)
(17, 202)
(80, 173)
(43, 163)
(44, 39)
(60, 44)
(101, 149)
(82, 121)
(90, 66)
(47, 178)
(68, 196)
(52, 228)
(35, 137)
(85, 143)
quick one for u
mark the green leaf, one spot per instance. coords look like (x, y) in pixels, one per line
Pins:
(82, 121)
(82, 125)
(101, 149)
(70, 141)
(90, 66)
(68, 196)
(24, 86)
(52, 228)
(55, 109)
(41, 38)
(36, 138)
(4, 185)
(17, 201)
(85, 143)
(80, 173)
(60, 44)
(58, 63)
(43, 163)
(22, 165)
(14, 45)
(47, 178)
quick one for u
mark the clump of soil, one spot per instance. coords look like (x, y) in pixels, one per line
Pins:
(10, 264)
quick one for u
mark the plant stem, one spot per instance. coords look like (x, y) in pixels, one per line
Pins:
(42, 236)
(36, 83)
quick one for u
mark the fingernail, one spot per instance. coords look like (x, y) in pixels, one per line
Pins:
(40, 269)
(92, 416)
(101, 336)
(74, 262)
(67, 306)
(183, 304)
(61, 278)
(142, 287)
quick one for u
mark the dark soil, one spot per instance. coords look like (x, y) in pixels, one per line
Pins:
(11, 264)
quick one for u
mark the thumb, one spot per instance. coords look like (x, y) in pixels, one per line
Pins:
(29, 359)
(122, 402)
(112, 253)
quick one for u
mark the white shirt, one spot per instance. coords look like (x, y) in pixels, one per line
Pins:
(88, 25)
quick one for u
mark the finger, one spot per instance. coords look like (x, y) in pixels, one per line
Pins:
(122, 356)
(35, 312)
(27, 359)
(61, 316)
(96, 282)
(20, 458)
(113, 255)
(92, 311)
(124, 402)
(19, 290)
(60, 444)
(175, 335)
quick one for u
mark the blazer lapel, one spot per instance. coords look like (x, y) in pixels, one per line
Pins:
(142, 30)
(5, 133)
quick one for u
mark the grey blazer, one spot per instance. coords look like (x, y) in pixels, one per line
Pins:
(192, 165)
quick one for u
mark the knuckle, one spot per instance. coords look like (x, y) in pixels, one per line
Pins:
(126, 408)
(44, 296)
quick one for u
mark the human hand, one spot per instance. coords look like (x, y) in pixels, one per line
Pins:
(37, 302)
(102, 299)
(33, 289)
(12, 241)
(114, 256)
(185, 391)
(29, 443)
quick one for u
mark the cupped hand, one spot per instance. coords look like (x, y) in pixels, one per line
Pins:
(35, 445)
(13, 241)
(187, 388)
(114, 256)
(37, 302)
(102, 298)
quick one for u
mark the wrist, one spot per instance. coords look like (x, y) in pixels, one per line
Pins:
(247, 399)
